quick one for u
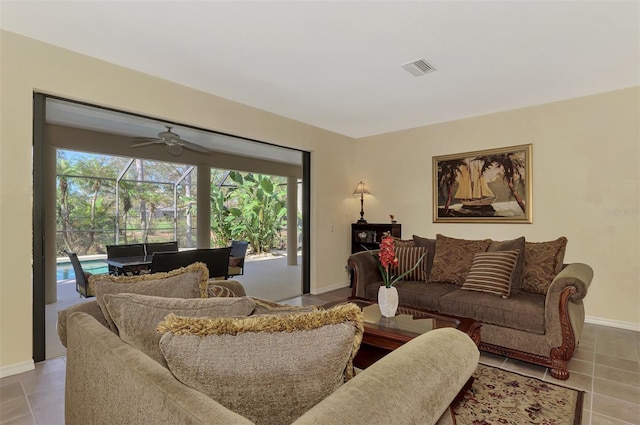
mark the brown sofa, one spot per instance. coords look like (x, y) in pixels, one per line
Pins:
(540, 328)
(111, 382)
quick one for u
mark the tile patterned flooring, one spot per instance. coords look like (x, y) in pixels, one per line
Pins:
(606, 365)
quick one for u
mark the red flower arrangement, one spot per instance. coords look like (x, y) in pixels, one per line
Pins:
(388, 262)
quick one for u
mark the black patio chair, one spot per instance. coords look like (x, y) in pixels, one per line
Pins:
(129, 250)
(236, 259)
(153, 247)
(167, 261)
(82, 277)
(216, 259)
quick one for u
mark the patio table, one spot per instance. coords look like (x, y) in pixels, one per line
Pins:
(134, 264)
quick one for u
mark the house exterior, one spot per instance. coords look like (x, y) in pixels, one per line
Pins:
(586, 175)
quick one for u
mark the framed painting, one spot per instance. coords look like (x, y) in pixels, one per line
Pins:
(489, 186)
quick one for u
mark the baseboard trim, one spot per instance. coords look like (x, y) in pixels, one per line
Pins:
(613, 323)
(324, 289)
(16, 368)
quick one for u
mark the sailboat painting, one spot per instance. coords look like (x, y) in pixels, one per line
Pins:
(484, 186)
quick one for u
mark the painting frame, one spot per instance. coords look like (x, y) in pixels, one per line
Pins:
(485, 186)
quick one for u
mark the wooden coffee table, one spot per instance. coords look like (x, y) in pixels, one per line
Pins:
(383, 335)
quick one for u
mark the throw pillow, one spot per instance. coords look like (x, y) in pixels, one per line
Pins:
(269, 307)
(403, 242)
(542, 262)
(430, 244)
(270, 369)
(220, 291)
(185, 282)
(492, 272)
(137, 316)
(512, 245)
(453, 258)
(407, 258)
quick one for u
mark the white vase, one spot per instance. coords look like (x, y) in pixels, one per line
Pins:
(388, 301)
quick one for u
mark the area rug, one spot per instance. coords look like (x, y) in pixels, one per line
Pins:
(506, 398)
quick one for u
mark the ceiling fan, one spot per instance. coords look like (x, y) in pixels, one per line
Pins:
(174, 144)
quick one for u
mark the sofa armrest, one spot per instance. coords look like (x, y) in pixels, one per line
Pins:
(414, 384)
(89, 307)
(110, 382)
(564, 312)
(365, 270)
(578, 275)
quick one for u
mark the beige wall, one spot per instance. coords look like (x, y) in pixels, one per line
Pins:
(586, 186)
(28, 65)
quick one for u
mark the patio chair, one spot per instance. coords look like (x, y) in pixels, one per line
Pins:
(236, 260)
(217, 261)
(129, 250)
(167, 261)
(153, 247)
(82, 277)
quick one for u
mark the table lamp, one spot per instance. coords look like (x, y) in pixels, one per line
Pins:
(361, 189)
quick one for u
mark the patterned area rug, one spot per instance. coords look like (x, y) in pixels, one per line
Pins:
(505, 398)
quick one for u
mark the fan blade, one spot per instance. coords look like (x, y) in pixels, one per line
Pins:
(192, 146)
(148, 142)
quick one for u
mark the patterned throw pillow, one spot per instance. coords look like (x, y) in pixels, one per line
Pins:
(453, 258)
(185, 282)
(137, 316)
(518, 272)
(220, 291)
(542, 262)
(407, 258)
(492, 272)
(270, 369)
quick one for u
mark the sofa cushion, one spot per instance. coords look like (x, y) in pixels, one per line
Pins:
(408, 257)
(185, 282)
(542, 262)
(453, 258)
(512, 245)
(270, 369)
(430, 244)
(492, 272)
(523, 311)
(137, 316)
(417, 294)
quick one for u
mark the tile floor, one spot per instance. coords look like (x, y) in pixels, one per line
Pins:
(606, 366)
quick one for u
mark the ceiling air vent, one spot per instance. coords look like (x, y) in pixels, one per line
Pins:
(418, 68)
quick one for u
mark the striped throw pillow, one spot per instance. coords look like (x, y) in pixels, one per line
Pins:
(491, 272)
(407, 258)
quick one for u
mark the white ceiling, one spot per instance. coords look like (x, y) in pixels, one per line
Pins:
(336, 64)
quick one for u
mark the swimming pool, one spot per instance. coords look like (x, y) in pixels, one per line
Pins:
(65, 269)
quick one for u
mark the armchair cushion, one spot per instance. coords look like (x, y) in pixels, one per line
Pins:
(453, 258)
(543, 261)
(270, 369)
(137, 316)
(185, 282)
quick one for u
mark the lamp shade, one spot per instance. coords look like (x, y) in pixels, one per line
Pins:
(361, 189)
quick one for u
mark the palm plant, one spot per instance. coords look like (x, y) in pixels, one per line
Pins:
(513, 168)
(447, 175)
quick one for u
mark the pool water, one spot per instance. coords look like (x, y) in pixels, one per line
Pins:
(65, 270)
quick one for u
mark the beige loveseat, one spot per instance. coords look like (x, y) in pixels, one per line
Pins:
(538, 319)
(110, 382)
